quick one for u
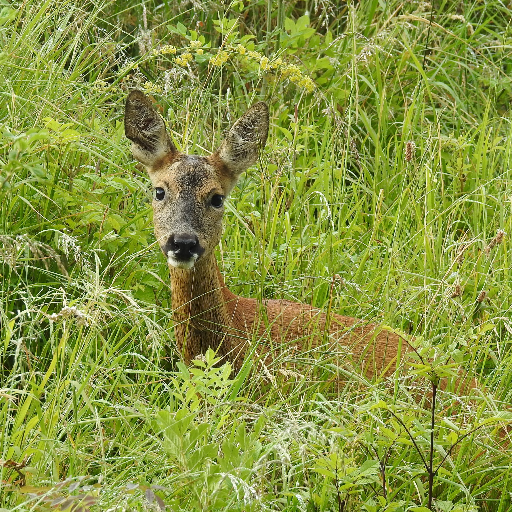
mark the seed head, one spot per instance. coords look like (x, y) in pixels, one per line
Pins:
(69, 312)
(456, 291)
(481, 296)
(336, 278)
(497, 240)
(355, 152)
(410, 148)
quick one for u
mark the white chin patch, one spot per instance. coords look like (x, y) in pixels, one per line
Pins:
(181, 264)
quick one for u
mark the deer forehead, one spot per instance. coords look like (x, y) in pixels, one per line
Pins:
(190, 175)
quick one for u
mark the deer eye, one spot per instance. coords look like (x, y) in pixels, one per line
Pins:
(159, 193)
(217, 201)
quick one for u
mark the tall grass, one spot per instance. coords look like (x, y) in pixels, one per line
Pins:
(382, 194)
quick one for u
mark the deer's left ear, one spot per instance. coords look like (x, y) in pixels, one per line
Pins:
(144, 126)
(239, 150)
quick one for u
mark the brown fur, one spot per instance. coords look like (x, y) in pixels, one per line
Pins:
(166, 161)
(207, 313)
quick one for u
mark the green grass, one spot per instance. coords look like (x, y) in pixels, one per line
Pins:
(94, 404)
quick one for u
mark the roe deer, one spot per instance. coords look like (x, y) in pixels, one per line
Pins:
(188, 206)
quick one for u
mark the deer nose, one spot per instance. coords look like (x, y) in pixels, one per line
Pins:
(184, 246)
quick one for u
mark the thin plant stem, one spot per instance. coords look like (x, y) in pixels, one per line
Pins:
(431, 472)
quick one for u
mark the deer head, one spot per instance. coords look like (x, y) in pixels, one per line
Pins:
(189, 191)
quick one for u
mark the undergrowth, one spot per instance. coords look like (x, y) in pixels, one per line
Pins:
(383, 194)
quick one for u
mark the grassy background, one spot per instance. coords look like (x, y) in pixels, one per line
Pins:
(380, 195)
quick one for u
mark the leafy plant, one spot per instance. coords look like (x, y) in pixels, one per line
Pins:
(383, 194)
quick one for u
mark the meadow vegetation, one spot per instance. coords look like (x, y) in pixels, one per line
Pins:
(384, 193)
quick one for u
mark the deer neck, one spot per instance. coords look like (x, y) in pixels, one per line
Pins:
(201, 311)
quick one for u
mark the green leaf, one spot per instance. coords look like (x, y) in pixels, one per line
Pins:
(289, 25)
(379, 405)
(486, 328)
(324, 472)
(181, 29)
(302, 23)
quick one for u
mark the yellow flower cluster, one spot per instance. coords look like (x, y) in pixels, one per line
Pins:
(307, 83)
(220, 58)
(276, 64)
(255, 55)
(196, 45)
(286, 71)
(151, 87)
(294, 74)
(184, 59)
(165, 50)
(290, 71)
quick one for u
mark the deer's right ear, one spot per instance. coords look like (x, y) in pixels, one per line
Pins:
(144, 126)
